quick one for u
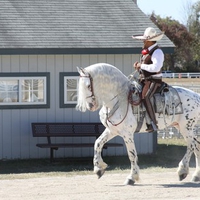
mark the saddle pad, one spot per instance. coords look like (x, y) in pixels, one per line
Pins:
(170, 100)
(172, 97)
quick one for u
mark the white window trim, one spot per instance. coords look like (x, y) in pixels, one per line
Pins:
(20, 79)
(19, 76)
(63, 88)
(66, 90)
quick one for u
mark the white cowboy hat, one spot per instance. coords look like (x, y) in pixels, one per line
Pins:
(149, 35)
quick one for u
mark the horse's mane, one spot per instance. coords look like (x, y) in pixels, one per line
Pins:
(109, 74)
(107, 79)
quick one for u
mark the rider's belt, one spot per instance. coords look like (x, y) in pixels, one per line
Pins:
(152, 77)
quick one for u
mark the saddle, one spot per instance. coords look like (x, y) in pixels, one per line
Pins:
(165, 100)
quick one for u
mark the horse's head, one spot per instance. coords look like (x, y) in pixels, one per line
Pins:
(86, 97)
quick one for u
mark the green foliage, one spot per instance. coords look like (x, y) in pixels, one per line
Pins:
(186, 56)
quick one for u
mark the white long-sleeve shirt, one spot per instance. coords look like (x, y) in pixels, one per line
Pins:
(157, 59)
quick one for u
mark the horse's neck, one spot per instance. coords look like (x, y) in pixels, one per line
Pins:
(110, 94)
(115, 101)
(110, 101)
(110, 88)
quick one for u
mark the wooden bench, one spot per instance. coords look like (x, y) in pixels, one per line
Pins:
(52, 130)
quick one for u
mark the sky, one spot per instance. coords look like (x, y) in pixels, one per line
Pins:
(166, 8)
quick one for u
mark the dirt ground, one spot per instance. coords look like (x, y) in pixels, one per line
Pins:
(153, 185)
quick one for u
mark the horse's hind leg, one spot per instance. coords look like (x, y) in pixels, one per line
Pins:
(183, 169)
(196, 175)
(193, 146)
(99, 165)
(132, 154)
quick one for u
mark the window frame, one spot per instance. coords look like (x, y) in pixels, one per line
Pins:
(62, 77)
(21, 75)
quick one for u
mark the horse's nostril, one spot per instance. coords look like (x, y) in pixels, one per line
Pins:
(91, 105)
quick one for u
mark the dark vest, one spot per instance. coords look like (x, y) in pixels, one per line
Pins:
(146, 59)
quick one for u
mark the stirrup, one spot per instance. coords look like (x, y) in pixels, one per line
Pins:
(154, 126)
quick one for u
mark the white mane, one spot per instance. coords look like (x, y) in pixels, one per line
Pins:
(107, 81)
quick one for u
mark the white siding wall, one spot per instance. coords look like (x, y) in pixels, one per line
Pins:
(16, 139)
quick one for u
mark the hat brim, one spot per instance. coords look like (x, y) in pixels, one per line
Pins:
(154, 38)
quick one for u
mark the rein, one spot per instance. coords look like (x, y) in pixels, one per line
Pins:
(108, 117)
(115, 106)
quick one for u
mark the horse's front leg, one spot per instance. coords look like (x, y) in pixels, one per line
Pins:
(132, 154)
(99, 165)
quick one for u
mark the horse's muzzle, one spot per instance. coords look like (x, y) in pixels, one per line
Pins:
(91, 107)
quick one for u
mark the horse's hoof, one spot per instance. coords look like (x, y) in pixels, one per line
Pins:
(100, 173)
(129, 182)
(182, 176)
(195, 179)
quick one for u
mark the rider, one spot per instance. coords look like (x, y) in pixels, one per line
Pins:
(149, 67)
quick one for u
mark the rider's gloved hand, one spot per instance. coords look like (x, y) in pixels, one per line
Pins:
(137, 66)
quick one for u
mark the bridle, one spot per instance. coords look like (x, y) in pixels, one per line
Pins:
(94, 98)
(109, 116)
(91, 86)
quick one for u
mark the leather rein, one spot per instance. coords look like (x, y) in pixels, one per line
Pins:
(113, 111)
(116, 124)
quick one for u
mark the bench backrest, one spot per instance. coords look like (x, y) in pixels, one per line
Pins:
(66, 129)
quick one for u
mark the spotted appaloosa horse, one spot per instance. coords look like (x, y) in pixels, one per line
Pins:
(104, 86)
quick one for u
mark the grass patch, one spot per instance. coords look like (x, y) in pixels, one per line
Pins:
(169, 153)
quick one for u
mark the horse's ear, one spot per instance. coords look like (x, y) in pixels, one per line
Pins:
(80, 70)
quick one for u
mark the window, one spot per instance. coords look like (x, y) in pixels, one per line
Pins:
(24, 90)
(68, 89)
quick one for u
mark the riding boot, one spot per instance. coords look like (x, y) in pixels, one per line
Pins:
(149, 128)
(150, 111)
(148, 122)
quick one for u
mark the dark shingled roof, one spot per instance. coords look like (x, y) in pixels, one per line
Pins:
(73, 24)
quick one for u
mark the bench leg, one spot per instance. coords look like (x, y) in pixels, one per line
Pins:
(51, 154)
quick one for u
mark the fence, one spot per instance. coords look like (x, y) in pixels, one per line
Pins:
(184, 75)
(195, 88)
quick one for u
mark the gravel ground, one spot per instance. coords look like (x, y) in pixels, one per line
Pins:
(161, 184)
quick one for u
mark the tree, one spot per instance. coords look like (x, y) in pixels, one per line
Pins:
(185, 37)
(186, 11)
(183, 57)
(194, 28)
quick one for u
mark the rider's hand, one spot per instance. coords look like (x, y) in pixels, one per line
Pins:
(137, 66)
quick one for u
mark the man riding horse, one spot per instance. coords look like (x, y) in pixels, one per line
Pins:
(149, 67)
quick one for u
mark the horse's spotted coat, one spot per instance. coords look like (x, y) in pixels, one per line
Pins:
(111, 88)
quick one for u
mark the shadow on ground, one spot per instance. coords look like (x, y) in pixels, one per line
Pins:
(167, 156)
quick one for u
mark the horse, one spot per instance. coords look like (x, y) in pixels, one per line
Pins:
(103, 86)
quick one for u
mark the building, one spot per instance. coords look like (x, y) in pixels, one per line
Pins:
(41, 43)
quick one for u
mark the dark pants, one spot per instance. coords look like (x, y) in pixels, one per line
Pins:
(149, 88)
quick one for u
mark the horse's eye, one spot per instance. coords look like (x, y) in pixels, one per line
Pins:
(89, 86)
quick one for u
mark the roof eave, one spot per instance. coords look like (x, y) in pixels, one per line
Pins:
(35, 51)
